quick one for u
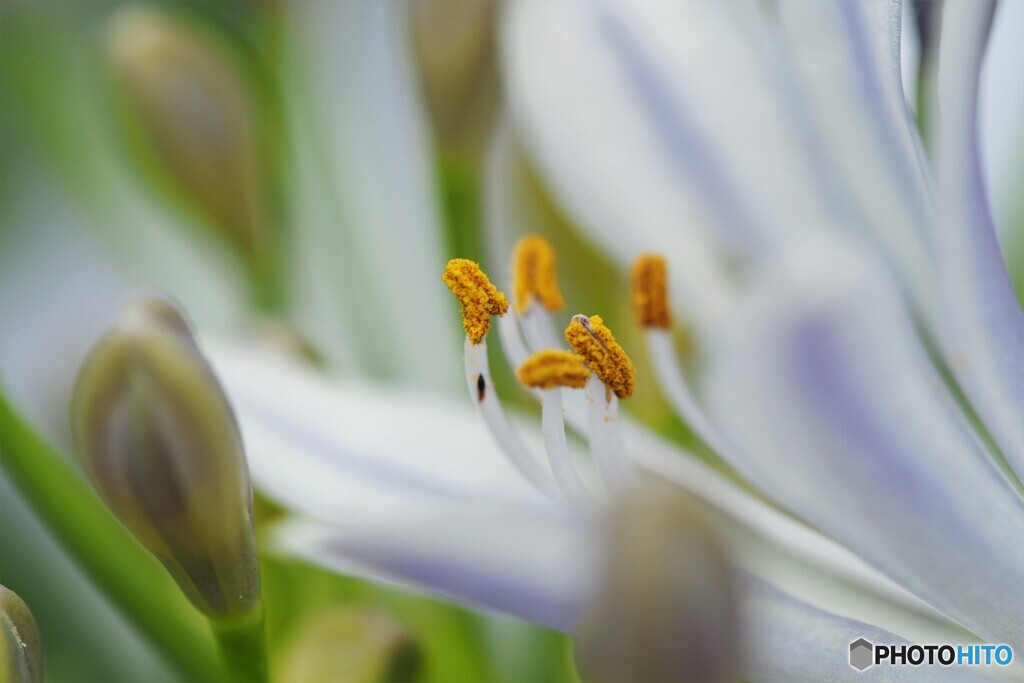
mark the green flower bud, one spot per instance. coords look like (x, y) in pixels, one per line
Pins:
(351, 644)
(454, 45)
(21, 650)
(193, 119)
(157, 438)
(667, 610)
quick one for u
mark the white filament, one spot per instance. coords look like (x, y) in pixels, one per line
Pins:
(672, 381)
(560, 459)
(516, 351)
(539, 329)
(481, 390)
(606, 447)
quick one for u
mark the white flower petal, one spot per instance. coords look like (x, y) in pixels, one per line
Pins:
(534, 564)
(354, 451)
(847, 55)
(984, 325)
(783, 550)
(662, 101)
(911, 54)
(789, 640)
(544, 568)
(384, 245)
(788, 554)
(329, 452)
(826, 388)
(1001, 113)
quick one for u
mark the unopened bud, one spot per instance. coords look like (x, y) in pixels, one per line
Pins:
(21, 650)
(157, 438)
(352, 644)
(454, 43)
(193, 118)
(666, 611)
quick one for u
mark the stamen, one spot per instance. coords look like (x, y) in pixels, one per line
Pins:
(672, 380)
(481, 388)
(650, 299)
(479, 298)
(601, 353)
(512, 344)
(539, 328)
(606, 447)
(562, 465)
(550, 369)
(536, 275)
(650, 291)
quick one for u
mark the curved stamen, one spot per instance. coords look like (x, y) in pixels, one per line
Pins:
(549, 371)
(481, 388)
(480, 299)
(512, 344)
(535, 281)
(606, 447)
(613, 379)
(650, 307)
(539, 329)
(673, 384)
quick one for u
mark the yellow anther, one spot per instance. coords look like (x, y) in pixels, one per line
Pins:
(549, 369)
(601, 353)
(479, 298)
(536, 275)
(650, 291)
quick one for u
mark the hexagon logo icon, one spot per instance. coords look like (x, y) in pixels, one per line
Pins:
(861, 654)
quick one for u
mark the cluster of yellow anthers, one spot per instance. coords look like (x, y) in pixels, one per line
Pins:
(549, 369)
(479, 298)
(595, 347)
(650, 291)
(536, 275)
(594, 342)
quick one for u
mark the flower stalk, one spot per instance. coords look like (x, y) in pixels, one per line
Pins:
(242, 643)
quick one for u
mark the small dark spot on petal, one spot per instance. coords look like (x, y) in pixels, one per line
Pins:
(481, 388)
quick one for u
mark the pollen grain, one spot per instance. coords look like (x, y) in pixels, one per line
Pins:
(601, 353)
(549, 369)
(479, 298)
(536, 275)
(650, 291)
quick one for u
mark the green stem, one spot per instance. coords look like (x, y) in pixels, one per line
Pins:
(242, 641)
(128, 575)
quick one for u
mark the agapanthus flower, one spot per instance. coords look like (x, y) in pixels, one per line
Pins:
(855, 323)
(757, 166)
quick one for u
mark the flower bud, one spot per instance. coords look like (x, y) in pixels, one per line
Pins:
(351, 644)
(194, 120)
(666, 611)
(21, 650)
(157, 438)
(454, 45)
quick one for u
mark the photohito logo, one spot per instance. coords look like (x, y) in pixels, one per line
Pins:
(864, 654)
